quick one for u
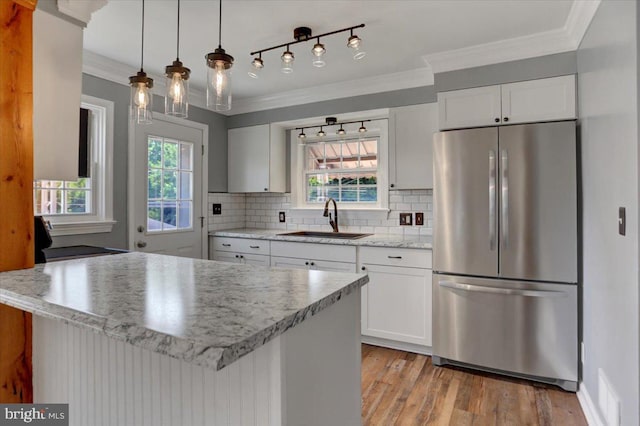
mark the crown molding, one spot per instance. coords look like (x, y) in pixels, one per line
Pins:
(564, 39)
(364, 86)
(80, 9)
(118, 72)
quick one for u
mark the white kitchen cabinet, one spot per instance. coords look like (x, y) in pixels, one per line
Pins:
(546, 99)
(411, 132)
(312, 264)
(317, 257)
(256, 159)
(57, 86)
(239, 250)
(396, 303)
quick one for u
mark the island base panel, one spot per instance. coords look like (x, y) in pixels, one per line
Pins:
(15, 356)
(309, 374)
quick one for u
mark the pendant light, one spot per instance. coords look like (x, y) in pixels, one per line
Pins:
(141, 101)
(287, 61)
(219, 65)
(318, 53)
(355, 43)
(176, 99)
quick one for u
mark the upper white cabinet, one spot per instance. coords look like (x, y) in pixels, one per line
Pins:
(545, 99)
(410, 146)
(256, 159)
(57, 86)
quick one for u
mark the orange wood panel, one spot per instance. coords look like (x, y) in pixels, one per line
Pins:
(16, 183)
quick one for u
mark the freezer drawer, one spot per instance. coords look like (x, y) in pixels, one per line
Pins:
(520, 327)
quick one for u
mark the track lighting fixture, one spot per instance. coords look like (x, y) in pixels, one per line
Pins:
(176, 99)
(219, 65)
(332, 121)
(303, 34)
(141, 100)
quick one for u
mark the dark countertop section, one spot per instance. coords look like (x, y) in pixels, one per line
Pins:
(75, 252)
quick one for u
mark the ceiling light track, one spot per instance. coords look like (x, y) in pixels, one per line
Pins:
(332, 121)
(303, 39)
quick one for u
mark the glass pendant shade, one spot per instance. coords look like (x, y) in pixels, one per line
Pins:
(318, 55)
(287, 62)
(176, 100)
(219, 80)
(355, 43)
(256, 66)
(141, 101)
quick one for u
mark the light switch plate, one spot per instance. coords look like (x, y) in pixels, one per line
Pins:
(281, 217)
(622, 221)
(406, 219)
(419, 219)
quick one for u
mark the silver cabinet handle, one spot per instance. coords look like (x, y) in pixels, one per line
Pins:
(505, 199)
(492, 200)
(254, 246)
(499, 290)
(141, 244)
(394, 257)
(226, 245)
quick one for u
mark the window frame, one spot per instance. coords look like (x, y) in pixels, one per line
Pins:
(376, 128)
(100, 220)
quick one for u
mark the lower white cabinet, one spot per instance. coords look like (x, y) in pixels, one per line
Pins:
(396, 304)
(317, 257)
(244, 258)
(239, 250)
(314, 265)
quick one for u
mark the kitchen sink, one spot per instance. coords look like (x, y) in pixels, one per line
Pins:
(318, 234)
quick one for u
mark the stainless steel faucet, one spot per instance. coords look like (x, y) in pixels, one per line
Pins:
(334, 224)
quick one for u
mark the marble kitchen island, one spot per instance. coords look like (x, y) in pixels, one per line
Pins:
(137, 339)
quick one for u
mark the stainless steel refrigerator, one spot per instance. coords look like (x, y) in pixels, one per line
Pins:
(505, 293)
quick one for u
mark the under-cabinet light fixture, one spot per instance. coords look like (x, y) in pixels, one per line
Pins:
(304, 34)
(141, 100)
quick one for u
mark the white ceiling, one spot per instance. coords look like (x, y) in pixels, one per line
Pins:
(400, 36)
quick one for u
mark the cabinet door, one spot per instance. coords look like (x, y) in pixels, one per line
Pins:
(289, 262)
(411, 147)
(397, 304)
(476, 107)
(324, 265)
(226, 256)
(248, 159)
(546, 99)
(256, 259)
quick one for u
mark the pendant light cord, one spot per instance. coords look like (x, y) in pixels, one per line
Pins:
(178, 36)
(142, 47)
(220, 27)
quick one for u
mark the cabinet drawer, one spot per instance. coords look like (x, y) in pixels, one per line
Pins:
(241, 245)
(330, 252)
(410, 258)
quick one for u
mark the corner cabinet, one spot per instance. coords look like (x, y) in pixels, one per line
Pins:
(396, 304)
(256, 159)
(546, 99)
(411, 130)
(57, 86)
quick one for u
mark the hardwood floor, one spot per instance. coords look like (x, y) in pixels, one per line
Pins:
(401, 388)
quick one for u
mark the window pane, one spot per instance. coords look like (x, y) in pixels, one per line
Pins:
(184, 214)
(186, 151)
(49, 201)
(368, 179)
(169, 184)
(349, 194)
(369, 154)
(154, 152)
(333, 192)
(154, 216)
(77, 201)
(170, 151)
(169, 211)
(155, 184)
(350, 155)
(315, 157)
(333, 155)
(332, 180)
(185, 186)
(368, 194)
(83, 183)
(316, 194)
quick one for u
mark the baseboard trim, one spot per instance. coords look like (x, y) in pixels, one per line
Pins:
(392, 344)
(588, 407)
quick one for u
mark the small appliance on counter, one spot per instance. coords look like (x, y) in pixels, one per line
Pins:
(42, 238)
(505, 259)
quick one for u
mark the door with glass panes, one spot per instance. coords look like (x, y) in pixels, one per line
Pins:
(167, 195)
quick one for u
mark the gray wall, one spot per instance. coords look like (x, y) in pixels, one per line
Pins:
(119, 95)
(608, 111)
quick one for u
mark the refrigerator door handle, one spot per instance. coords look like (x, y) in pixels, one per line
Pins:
(504, 199)
(492, 200)
(498, 290)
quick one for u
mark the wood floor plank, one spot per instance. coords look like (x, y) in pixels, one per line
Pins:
(406, 389)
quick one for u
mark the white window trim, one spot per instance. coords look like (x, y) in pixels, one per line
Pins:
(379, 128)
(101, 220)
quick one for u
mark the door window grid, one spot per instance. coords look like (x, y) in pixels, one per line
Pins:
(169, 185)
(344, 170)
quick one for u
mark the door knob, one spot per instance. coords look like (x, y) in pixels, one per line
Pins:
(141, 244)
(140, 228)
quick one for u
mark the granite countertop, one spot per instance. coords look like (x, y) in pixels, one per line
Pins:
(375, 240)
(203, 312)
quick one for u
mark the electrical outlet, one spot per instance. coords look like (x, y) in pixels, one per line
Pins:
(405, 218)
(217, 209)
(419, 219)
(281, 217)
